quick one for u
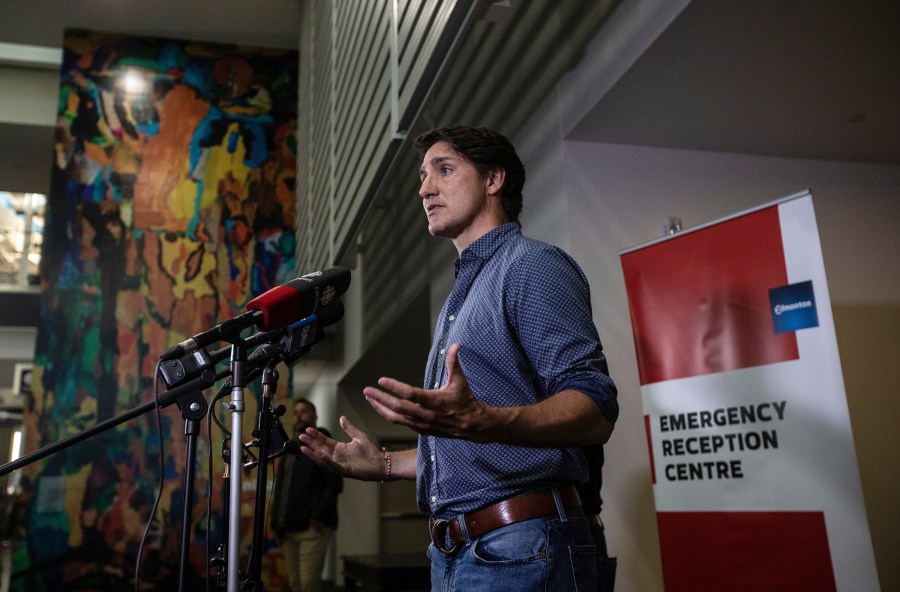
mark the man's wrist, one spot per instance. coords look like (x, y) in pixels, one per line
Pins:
(490, 424)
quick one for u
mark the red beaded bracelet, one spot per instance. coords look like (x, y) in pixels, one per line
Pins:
(387, 464)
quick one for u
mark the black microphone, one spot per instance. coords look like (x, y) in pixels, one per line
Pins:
(289, 348)
(304, 333)
(187, 367)
(300, 336)
(274, 309)
(329, 315)
(293, 356)
(225, 331)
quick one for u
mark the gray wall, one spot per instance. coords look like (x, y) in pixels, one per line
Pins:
(604, 198)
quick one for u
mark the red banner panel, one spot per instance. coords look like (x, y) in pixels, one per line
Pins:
(745, 551)
(700, 301)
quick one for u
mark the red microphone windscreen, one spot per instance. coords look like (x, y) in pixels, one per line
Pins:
(279, 307)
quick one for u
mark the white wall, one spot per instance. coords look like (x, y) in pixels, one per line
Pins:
(857, 205)
(595, 200)
(598, 199)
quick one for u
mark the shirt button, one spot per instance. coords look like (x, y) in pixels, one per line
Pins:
(437, 385)
(451, 318)
(443, 351)
(434, 498)
(432, 458)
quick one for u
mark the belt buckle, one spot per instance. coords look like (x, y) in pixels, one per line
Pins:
(438, 529)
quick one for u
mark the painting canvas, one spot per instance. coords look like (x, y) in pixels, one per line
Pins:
(171, 205)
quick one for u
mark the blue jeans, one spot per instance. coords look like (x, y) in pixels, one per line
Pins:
(549, 554)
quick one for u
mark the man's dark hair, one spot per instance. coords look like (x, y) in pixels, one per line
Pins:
(487, 150)
(297, 400)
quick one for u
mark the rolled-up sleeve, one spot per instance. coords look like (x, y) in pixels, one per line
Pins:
(549, 305)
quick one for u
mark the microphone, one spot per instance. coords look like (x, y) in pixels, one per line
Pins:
(274, 309)
(300, 297)
(304, 333)
(329, 315)
(299, 338)
(226, 331)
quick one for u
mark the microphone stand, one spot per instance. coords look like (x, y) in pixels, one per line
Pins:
(219, 561)
(224, 559)
(238, 382)
(266, 419)
(193, 409)
(288, 351)
(189, 397)
(193, 405)
(164, 399)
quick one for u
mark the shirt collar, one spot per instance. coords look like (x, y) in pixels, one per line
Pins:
(485, 246)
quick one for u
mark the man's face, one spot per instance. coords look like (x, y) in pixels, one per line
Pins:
(456, 198)
(304, 415)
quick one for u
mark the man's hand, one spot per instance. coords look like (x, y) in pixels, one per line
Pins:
(451, 411)
(358, 458)
(567, 418)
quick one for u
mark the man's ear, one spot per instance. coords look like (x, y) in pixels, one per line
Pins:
(495, 179)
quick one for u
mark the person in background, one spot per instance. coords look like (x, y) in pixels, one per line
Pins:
(516, 386)
(304, 508)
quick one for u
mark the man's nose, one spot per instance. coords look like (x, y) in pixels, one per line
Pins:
(426, 188)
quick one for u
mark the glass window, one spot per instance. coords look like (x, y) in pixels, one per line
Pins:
(21, 237)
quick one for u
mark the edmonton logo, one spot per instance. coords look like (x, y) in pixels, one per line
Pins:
(793, 307)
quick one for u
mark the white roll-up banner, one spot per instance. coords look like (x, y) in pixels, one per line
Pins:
(753, 466)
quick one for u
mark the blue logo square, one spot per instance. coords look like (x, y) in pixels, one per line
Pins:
(793, 307)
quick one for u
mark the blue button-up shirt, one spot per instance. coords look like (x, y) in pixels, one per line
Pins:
(521, 311)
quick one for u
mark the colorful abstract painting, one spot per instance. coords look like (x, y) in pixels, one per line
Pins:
(172, 204)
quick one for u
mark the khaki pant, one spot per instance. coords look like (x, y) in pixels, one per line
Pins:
(304, 555)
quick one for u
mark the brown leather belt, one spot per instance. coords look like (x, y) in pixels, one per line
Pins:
(509, 511)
